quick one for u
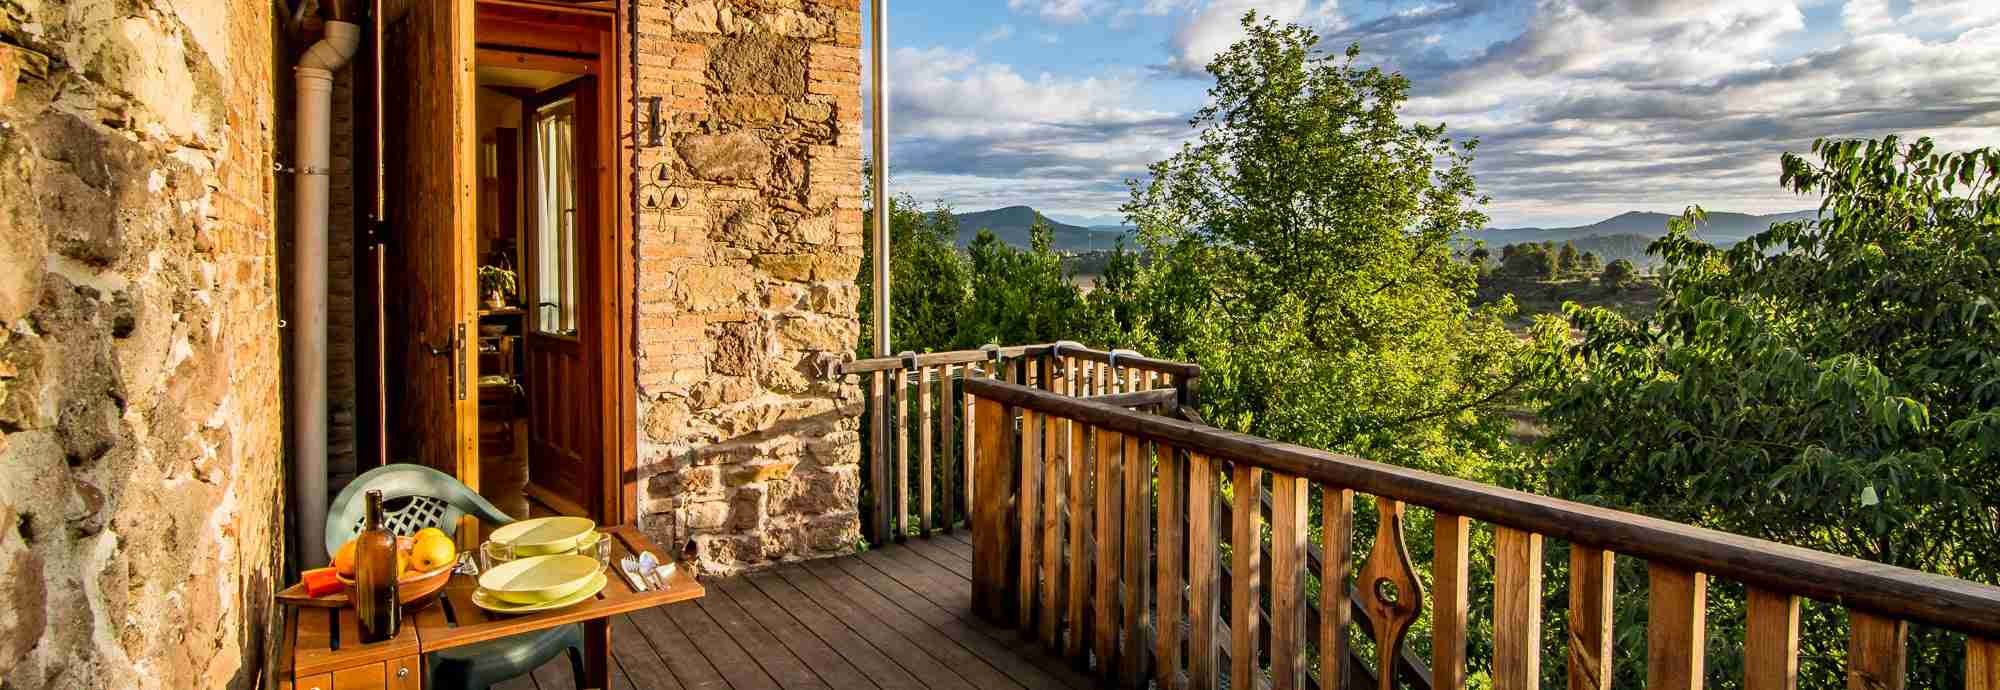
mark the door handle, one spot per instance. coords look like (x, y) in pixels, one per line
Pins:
(453, 347)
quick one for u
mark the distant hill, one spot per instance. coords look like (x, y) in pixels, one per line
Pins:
(1011, 225)
(1626, 235)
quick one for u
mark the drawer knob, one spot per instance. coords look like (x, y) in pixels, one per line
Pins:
(403, 672)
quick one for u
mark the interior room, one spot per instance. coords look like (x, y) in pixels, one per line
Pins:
(528, 273)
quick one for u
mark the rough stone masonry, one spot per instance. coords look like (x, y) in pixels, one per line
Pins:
(745, 291)
(140, 459)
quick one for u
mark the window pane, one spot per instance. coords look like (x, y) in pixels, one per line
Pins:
(555, 223)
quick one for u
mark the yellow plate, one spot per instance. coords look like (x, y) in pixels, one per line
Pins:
(543, 536)
(538, 579)
(486, 600)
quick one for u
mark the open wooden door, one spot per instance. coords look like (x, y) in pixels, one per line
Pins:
(430, 288)
(565, 436)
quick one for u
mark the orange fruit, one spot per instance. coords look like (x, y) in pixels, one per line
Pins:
(343, 559)
(433, 550)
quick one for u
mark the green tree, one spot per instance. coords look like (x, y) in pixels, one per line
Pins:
(1568, 261)
(1530, 261)
(1617, 275)
(1301, 248)
(1829, 384)
(929, 279)
(1590, 264)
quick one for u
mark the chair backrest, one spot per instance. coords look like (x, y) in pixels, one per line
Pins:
(413, 497)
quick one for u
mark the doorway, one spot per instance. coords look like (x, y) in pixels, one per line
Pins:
(538, 129)
(504, 322)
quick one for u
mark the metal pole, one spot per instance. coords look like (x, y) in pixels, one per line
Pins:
(878, 59)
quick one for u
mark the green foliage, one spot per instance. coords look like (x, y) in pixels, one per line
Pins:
(1529, 261)
(1829, 384)
(494, 279)
(1301, 249)
(1617, 275)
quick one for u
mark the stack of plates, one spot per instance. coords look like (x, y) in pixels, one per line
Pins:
(545, 536)
(539, 583)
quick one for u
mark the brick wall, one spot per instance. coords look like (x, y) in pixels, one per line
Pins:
(141, 451)
(745, 291)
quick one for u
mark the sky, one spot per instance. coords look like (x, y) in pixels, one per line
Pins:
(1584, 108)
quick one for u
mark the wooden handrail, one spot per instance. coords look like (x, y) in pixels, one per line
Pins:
(1124, 360)
(1873, 587)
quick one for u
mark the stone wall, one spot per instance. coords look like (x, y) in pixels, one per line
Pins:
(141, 454)
(749, 288)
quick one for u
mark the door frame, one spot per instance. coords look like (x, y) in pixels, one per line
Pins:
(592, 39)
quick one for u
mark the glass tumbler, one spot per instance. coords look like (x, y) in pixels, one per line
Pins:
(493, 553)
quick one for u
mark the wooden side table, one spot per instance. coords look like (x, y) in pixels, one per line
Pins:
(322, 649)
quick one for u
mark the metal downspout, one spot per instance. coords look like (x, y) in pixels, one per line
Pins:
(878, 102)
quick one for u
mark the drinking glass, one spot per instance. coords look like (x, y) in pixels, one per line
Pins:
(600, 549)
(493, 553)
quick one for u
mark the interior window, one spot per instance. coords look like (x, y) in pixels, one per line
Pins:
(555, 222)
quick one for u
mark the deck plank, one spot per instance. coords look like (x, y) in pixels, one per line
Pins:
(941, 558)
(893, 617)
(881, 575)
(644, 668)
(682, 658)
(777, 660)
(974, 668)
(825, 663)
(738, 666)
(908, 653)
(836, 634)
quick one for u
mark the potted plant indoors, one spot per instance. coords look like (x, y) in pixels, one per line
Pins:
(497, 284)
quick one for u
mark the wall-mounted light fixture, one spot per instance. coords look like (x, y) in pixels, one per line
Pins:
(657, 132)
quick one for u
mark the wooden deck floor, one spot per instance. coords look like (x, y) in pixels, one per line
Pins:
(894, 617)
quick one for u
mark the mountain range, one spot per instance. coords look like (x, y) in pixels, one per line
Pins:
(1624, 236)
(1011, 225)
(1721, 228)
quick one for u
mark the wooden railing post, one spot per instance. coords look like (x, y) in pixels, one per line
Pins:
(901, 511)
(1203, 553)
(992, 537)
(878, 444)
(1517, 610)
(1676, 627)
(1336, 610)
(1982, 664)
(1290, 521)
(1245, 550)
(1110, 542)
(1138, 506)
(1876, 656)
(1450, 572)
(1168, 559)
(1771, 641)
(924, 442)
(1028, 504)
(1590, 599)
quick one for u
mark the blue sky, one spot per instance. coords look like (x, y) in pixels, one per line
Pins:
(1585, 108)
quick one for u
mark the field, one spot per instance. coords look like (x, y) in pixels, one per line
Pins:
(1537, 297)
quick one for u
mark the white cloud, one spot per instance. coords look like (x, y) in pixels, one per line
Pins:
(1058, 11)
(1590, 108)
(997, 34)
(1214, 27)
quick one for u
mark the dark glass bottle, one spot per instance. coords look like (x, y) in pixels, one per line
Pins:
(374, 595)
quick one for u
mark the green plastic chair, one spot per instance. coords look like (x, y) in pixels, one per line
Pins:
(415, 497)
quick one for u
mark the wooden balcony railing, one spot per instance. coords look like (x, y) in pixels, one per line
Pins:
(1107, 535)
(919, 434)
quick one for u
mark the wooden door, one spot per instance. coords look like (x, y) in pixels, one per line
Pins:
(564, 433)
(431, 217)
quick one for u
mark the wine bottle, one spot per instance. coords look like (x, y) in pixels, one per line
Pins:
(375, 571)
